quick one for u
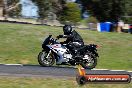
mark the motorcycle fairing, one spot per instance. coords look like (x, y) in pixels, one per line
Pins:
(60, 51)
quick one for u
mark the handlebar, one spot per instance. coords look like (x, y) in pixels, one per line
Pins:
(54, 40)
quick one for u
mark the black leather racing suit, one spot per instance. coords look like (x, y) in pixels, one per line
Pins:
(73, 41)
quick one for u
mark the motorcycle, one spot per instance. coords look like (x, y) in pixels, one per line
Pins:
(53, 51)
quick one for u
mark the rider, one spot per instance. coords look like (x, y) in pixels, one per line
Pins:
(73, 41)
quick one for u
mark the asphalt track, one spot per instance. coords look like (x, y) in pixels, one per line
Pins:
(54, 71)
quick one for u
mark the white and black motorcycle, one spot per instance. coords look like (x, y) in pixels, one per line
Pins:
(53, 52)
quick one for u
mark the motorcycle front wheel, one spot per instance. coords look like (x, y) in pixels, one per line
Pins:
(46, 58)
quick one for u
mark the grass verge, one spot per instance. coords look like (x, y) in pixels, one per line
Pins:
(26, 82)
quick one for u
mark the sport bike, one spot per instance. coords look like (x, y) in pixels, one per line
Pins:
(55, 52)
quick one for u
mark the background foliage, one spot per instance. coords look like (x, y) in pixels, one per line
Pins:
(105, 10)
(71, 13)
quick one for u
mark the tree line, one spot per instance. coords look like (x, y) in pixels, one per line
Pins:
(102, 10)
(108, 10)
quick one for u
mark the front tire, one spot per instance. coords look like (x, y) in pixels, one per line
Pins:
(43, 61)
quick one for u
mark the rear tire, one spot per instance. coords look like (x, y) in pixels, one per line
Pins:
(43, 61)
(92, 64)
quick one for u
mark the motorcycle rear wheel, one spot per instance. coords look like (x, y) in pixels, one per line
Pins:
(92, 64)
(43, 61)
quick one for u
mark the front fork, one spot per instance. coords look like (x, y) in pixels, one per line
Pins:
(48, 54)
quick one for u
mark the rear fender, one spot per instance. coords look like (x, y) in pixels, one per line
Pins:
(95, 53)
(92, 48)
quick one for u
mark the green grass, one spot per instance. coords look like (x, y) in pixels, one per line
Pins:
(26, 82)
(21, 43)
